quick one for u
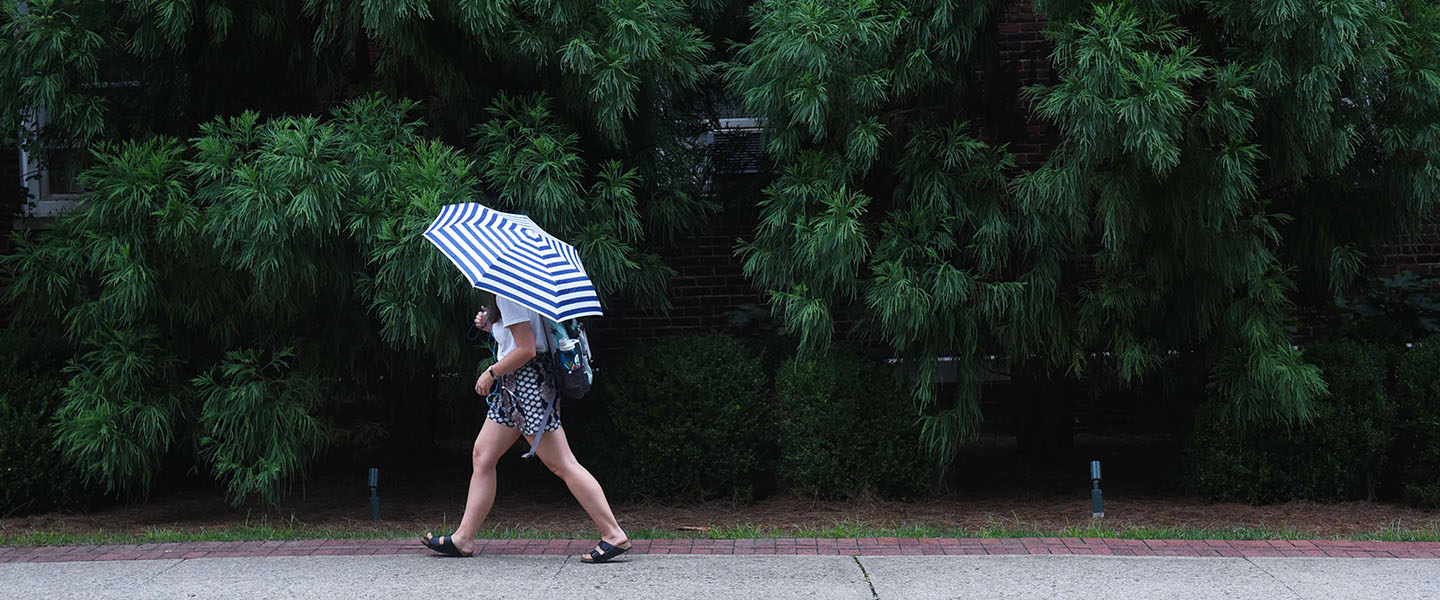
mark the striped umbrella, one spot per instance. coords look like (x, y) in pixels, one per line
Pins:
(511, 256)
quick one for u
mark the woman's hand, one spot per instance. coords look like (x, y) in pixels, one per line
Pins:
(482, 320)
(485, 383)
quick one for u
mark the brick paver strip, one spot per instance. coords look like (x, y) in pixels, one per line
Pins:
(747, 547)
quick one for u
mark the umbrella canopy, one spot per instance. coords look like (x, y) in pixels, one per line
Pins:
(511, 256)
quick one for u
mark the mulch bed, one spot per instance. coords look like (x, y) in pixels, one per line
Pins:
(1001, 491)
(742, 547)
(327, 508)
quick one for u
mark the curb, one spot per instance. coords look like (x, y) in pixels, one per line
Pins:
(745, 547)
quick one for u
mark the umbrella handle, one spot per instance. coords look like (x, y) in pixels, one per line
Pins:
(473, 334)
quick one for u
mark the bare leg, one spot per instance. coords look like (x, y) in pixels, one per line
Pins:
(490, 445)
(554, 450)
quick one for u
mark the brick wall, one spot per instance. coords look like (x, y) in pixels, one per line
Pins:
(1021, 59)
(1420, 255)
(12, 194)
(708, 286)
(709, 283)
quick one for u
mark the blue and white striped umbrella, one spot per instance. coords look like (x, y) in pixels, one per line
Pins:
(511, 256)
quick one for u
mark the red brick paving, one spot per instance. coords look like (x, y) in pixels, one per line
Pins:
(778, 546)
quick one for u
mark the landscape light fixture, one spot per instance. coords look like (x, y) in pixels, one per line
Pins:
(374, 494)
(1097, 508)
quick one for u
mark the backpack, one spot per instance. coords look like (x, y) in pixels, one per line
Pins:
(570, 358)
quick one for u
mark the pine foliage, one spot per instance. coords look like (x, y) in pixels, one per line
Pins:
(1189, 158)
(221, 263)
(882, 205)
(233, 289)
(1214, 158)
(102, 69)
(1219, 164)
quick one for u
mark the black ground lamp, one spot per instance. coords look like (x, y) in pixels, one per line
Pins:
(374, 494)
(1097, 508)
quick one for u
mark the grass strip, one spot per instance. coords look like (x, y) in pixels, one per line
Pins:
(838, 529)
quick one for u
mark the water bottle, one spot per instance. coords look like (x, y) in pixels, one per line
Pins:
(568, 355)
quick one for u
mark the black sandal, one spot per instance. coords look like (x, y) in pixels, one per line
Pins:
(607, 552)
(445, 546)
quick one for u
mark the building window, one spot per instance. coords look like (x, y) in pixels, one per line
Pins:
(52, 184)
(737, 145)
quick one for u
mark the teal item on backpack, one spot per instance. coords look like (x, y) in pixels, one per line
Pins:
(570, 369)
(571, 358)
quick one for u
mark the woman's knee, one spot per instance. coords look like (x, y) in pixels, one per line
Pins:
(563, 466)
(483, 459)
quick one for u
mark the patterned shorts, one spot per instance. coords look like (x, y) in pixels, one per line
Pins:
(524, 397)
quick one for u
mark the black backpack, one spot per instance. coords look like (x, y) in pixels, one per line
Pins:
(570, 359)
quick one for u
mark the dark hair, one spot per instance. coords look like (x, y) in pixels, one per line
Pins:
(492, 312)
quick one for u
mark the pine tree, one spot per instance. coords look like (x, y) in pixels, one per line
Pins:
(225, 295)
(1200, 140)
(123, 69)
(1219, 162)
(1212, 153)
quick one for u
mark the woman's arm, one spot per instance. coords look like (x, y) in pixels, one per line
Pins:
(524, 350)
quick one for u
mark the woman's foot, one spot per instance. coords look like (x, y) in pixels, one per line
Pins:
(449, 545)
(608, 548)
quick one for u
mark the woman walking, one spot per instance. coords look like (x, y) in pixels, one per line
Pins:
(525, 397)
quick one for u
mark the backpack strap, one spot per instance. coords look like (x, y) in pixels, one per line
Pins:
(550, 403)
(558, 332)
(544, 423)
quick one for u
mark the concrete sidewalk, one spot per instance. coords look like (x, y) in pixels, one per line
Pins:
(764, 546)
(733, 576)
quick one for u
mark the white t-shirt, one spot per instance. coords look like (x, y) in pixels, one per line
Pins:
(512, 312)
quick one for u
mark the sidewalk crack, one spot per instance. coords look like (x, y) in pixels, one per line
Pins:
(164, 570)
(563, 562)
(1277, 579)
(873, 595)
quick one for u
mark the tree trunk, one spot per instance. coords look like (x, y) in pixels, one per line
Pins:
(1044, 420)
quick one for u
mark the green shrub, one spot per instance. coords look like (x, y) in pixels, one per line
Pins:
(33, 475)
(259, 430)
(258, 237)
(847, 427)
(1391, 310)
(1338, 455)
(686, 418)
(1416, 453)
